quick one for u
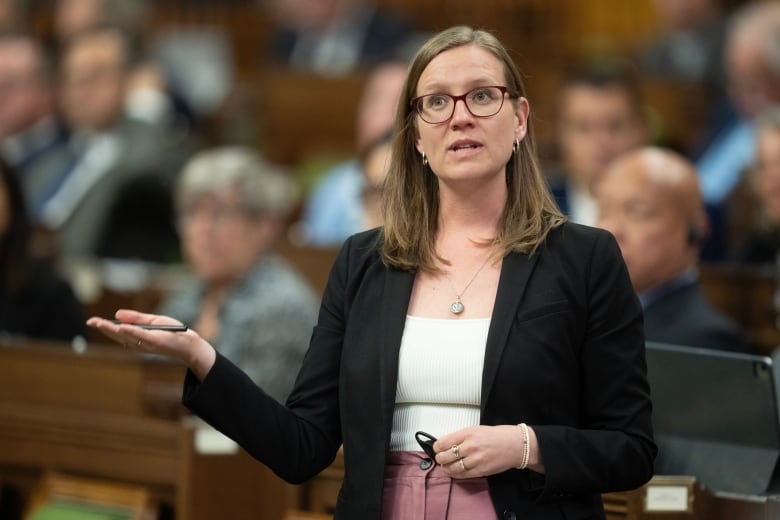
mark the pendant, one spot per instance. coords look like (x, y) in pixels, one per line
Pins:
(456, 307)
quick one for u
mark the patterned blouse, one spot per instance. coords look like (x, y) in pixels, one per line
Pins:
(266, 322)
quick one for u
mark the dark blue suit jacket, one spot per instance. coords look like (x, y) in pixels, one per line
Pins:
(683, 316)
(565, 354)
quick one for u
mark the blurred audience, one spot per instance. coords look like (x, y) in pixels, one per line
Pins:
(248, 302)
(761, 243)
(600, 116)
(74, 191)
(29, 127)
(35, 302)
(689, 46)
(335, 37)
(334, 210)
(650, 200)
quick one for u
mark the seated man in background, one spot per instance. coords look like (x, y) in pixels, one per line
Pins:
(28, 125)
(650, 200)
(75, 190)
(255, 308)
(600, 116)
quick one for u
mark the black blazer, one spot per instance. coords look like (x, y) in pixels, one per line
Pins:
(565, 354)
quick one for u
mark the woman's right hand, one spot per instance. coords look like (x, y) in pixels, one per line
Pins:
(186, 346)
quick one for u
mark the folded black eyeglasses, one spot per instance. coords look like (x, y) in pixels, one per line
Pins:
(426, 440)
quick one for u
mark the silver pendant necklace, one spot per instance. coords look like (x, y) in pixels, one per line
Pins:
(457, 306)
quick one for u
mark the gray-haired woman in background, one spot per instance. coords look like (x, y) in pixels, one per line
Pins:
(251, 305)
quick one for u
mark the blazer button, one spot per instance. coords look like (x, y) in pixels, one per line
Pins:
(510, 515)
(426, 463)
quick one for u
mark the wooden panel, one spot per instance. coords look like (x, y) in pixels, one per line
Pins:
(313, 262)
(747, 295)
(305, 515)
(306, 115)
(677, 112)
(109, 414)
(106, 378)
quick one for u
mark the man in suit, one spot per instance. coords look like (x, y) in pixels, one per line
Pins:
(600, 116)
(650, 200)
(76, 191)
(28, 126)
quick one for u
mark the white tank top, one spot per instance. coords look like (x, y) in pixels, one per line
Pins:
(439, 378)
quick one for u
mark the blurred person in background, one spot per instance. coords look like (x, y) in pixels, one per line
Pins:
(29, 127)
(600, 116)
(650, 200)
(35, 302)
(689, 46)
(254, 307)
(761, 242)
(76, 190)
(752, 68)
(150, 94)
(334, 209)
(336, 37)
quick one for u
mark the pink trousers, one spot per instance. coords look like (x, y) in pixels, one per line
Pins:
(415, 489)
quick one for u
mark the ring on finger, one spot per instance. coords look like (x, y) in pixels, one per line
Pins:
(454, 450)
(462, 464)
(139, 343)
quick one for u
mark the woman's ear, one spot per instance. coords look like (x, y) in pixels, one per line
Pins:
(522, 111)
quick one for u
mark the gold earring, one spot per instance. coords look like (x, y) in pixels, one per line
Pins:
(516, 146)
(425, 159)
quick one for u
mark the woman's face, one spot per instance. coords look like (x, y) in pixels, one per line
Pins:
(467, 147)
(220, 239)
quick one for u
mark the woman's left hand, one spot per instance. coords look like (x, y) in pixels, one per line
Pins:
(186, 345)
(479, 451)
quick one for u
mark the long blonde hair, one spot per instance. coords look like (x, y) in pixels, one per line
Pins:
(411, 193)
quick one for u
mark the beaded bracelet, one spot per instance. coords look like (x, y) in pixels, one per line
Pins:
(526, 446)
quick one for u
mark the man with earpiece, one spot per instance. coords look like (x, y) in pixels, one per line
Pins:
(651, 201)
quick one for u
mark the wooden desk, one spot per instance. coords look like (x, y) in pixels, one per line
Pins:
(114, 415)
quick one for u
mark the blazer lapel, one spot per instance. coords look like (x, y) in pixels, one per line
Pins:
(397, 291)
(515, 271)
